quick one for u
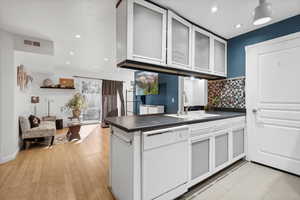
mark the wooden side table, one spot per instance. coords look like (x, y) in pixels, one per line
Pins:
(73, 132)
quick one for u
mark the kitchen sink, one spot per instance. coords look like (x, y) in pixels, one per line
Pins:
(194, 115)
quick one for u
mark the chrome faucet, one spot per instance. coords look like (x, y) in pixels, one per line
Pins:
(185, 103)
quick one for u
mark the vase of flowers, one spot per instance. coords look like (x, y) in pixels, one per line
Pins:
(76, 104)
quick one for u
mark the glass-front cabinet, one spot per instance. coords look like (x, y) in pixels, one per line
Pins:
(220, 57)
(214, 146)
(238, 142)
(141, 32)
(221, 149)
(201, 50)
(150, 34)
(201, 158)
(179, 42)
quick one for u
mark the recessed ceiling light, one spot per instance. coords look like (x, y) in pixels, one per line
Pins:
(106, 59)
(68, 62)
(214, 9)
(238, 26)
(72, 53)
(77, 36)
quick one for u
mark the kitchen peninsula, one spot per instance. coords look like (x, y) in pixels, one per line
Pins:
(161, 156)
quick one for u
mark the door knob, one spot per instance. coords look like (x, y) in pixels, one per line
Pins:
(254, 110)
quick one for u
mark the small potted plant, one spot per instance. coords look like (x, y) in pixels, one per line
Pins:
(76, 104)
(215, 101)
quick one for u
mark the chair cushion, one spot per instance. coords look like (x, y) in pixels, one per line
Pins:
(24, 124)
(34, 121)
(45, 129)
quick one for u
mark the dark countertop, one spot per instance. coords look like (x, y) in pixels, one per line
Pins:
(152, 122)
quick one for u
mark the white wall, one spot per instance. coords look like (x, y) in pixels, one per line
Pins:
(94, 53)
(58, 96)
(8, 119)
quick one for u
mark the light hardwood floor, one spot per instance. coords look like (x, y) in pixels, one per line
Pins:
(64, 172)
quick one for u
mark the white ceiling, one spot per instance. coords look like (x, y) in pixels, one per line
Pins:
(94, 20)
(60, 21)
(230, 13)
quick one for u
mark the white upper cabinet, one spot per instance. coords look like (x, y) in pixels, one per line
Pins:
(202, 47)
(150, 34)
(220, 57)
(179, 42)
(144, 37)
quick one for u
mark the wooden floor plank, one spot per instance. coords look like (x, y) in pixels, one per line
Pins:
(72, 171)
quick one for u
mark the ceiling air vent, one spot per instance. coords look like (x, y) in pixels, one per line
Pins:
(32, 43)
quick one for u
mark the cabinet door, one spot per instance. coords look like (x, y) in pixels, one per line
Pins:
(179, 41)
(221, 149)
(201, 50)
(149, 33)
(121, 155)
(220, 57)
(238, 143)
(200, 158)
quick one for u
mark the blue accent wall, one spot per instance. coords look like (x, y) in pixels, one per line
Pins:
(236, 46)
(168, 89)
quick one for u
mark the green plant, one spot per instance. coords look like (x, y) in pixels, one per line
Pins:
(215, 101)
(77, 102)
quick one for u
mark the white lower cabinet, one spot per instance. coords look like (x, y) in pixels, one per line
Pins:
(200, 158)
(221, 149)
(163, 164)
(214, 146)
(238, 142)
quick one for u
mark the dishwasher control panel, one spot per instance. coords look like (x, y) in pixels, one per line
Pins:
(162, 137)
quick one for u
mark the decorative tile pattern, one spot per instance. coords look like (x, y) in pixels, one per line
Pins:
(227, 93)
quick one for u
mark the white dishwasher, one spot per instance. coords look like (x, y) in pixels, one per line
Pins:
(165, 163)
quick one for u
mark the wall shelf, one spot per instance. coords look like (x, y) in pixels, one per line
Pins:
(60, 88)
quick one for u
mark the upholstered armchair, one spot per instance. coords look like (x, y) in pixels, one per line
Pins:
(45, 129)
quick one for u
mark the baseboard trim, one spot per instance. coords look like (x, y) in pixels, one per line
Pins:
(10, 157)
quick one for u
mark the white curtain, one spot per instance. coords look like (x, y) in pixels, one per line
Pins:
(91, 89)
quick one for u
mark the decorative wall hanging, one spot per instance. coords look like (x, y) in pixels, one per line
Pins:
(23, 78)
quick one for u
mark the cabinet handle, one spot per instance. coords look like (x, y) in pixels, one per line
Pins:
(159, 133)
(162, 131)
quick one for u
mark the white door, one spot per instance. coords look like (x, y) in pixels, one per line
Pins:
(273, 102)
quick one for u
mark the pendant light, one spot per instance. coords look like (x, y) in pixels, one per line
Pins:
(262, 13)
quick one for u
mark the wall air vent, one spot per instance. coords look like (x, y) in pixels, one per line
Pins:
(32, 43)
(36, 44)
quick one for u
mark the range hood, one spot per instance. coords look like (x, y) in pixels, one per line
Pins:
(136, 65)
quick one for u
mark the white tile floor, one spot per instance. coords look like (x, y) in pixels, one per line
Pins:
(248, 181)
